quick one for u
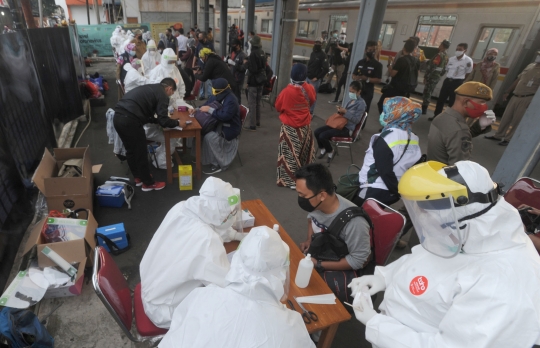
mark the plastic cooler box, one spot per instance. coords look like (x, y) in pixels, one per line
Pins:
(110, 196)
(116, 233)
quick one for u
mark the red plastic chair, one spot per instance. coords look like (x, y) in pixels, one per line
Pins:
(112, 289)
(524, 191)
(387, 226)
(194, 93)
(266, 96)
(244, 111)
(346, 142)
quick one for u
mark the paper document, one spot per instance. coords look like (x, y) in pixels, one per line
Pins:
(318, 299)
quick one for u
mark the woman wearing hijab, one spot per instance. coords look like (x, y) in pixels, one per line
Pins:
(151, 58)
(219, 147)
(486, 71)
(296, 146)
(390, 153)
(353, 112)
(127, 57)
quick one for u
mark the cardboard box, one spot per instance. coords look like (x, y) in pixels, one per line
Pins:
(69, 290)
(185, 177)
(71, 251)
(65, 193)
(116, 233)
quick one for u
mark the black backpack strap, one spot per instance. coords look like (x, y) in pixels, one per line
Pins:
(344, 217)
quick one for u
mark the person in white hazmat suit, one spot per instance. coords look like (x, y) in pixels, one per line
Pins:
(187, 250)
(151, 58)
(247, 312)
(116, 40)
(167, 68)
(473, 281)
(134, 78)
(129, 37)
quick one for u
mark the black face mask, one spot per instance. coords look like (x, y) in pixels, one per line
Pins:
(491, 58)
(317, 48)
(370, 55)
(303, 202)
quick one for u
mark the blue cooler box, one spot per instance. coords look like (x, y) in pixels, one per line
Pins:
(110, 196)
(116, 233)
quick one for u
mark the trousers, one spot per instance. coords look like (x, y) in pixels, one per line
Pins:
(512, 117)
(254, 102)
(325, 133)
(431, 83)
(338, 70)
(383, 196)
(133, 136)
(447, 93)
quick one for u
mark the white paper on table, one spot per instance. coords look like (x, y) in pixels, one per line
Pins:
(178, 128)
(318, 299)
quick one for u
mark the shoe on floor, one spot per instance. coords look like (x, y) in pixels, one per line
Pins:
(401, 244)
(202, 98)
(321, 154)
(258, 124)
(158, 185)
(431, 118)
(138, 182)
(330, 157)
(251, 129)
(333, 102)
(213, 170)
(424, 109)
(491, 137)
(504, 143)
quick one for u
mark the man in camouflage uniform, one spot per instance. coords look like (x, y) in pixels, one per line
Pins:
(435, 67)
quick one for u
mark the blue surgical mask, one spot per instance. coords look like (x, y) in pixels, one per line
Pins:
(382, 121)
(352, 96)
(132, 53)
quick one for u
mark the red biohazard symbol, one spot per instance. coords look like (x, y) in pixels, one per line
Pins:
(418, 285)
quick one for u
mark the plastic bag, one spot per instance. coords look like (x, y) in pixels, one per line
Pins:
(22, 328)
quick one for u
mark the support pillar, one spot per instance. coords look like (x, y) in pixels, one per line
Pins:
(223, 27)
(40, 5)
(193, 13)
(276, 35)
(250, 17)
(96, 11)
(88, 11)
(206, 15)
(27, 12)
(369, 22)
(523, 153)
(289, 25)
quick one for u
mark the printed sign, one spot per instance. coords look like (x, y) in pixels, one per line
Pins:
(418, 285)
(96, 39)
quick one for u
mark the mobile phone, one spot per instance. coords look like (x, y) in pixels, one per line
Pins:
(189, 122)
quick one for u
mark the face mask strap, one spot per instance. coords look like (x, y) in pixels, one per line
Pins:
(492, 196)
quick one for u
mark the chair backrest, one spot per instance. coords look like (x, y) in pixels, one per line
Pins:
(112, 289)
(387, 226)
(358, 128)
(244, 111)
(119, 83)
(524, 191)
(196, 88)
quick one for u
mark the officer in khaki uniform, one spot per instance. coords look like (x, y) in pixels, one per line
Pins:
(435, 68)
(450, 138)
(524, 89)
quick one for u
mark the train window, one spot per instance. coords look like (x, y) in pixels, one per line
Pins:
(491, 37)
(387, 35)
(267, 25)
(432, 30)
(339, 23)
(307, 29)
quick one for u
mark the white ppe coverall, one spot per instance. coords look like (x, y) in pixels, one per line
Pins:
(150, 59)
(485, 296)
(187, 251)
(116, 40)
(248, 311)
(164, 70)
(133, 78)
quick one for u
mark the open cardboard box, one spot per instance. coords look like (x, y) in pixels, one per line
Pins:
(71, 251)
(65, 193)
(69, 290)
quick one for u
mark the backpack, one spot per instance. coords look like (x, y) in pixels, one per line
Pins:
(326, 88)
(21, 328)
(411, 78)
(327, 245)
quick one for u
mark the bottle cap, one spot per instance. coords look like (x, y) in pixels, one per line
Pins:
(308, 256)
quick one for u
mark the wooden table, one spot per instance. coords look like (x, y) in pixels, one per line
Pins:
(192, 130)
(329, 315)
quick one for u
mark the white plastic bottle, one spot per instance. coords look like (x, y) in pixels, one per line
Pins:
(276, 228)
(305, 268)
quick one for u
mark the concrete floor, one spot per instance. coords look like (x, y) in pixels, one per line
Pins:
(84, 322)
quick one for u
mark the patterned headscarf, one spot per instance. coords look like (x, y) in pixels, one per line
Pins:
(486, 66)
(399, 112)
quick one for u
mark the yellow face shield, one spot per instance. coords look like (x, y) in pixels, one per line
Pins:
(218, 91)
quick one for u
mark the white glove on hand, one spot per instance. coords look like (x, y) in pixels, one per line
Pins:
(363, 307)
(375, 283)
(231, 62)
(239, 236)
(487, 119)
(225, 58)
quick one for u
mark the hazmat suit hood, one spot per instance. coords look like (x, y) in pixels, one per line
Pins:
(168, 54)
(260, 266)
(133, 78)
(150, 59)
(164, 70)
(497, 229)
(215, 206)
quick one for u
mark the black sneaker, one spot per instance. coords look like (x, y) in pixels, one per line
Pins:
(213, 170)
(321, 155)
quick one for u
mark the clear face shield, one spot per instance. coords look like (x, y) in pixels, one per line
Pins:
(437, 226)
(287, 268)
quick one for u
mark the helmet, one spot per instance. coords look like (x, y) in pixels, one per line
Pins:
(436, 195)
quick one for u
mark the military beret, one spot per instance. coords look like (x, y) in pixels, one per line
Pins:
(475, 90)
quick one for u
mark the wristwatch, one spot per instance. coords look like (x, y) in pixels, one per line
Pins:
(367, 80)
(319, 267)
